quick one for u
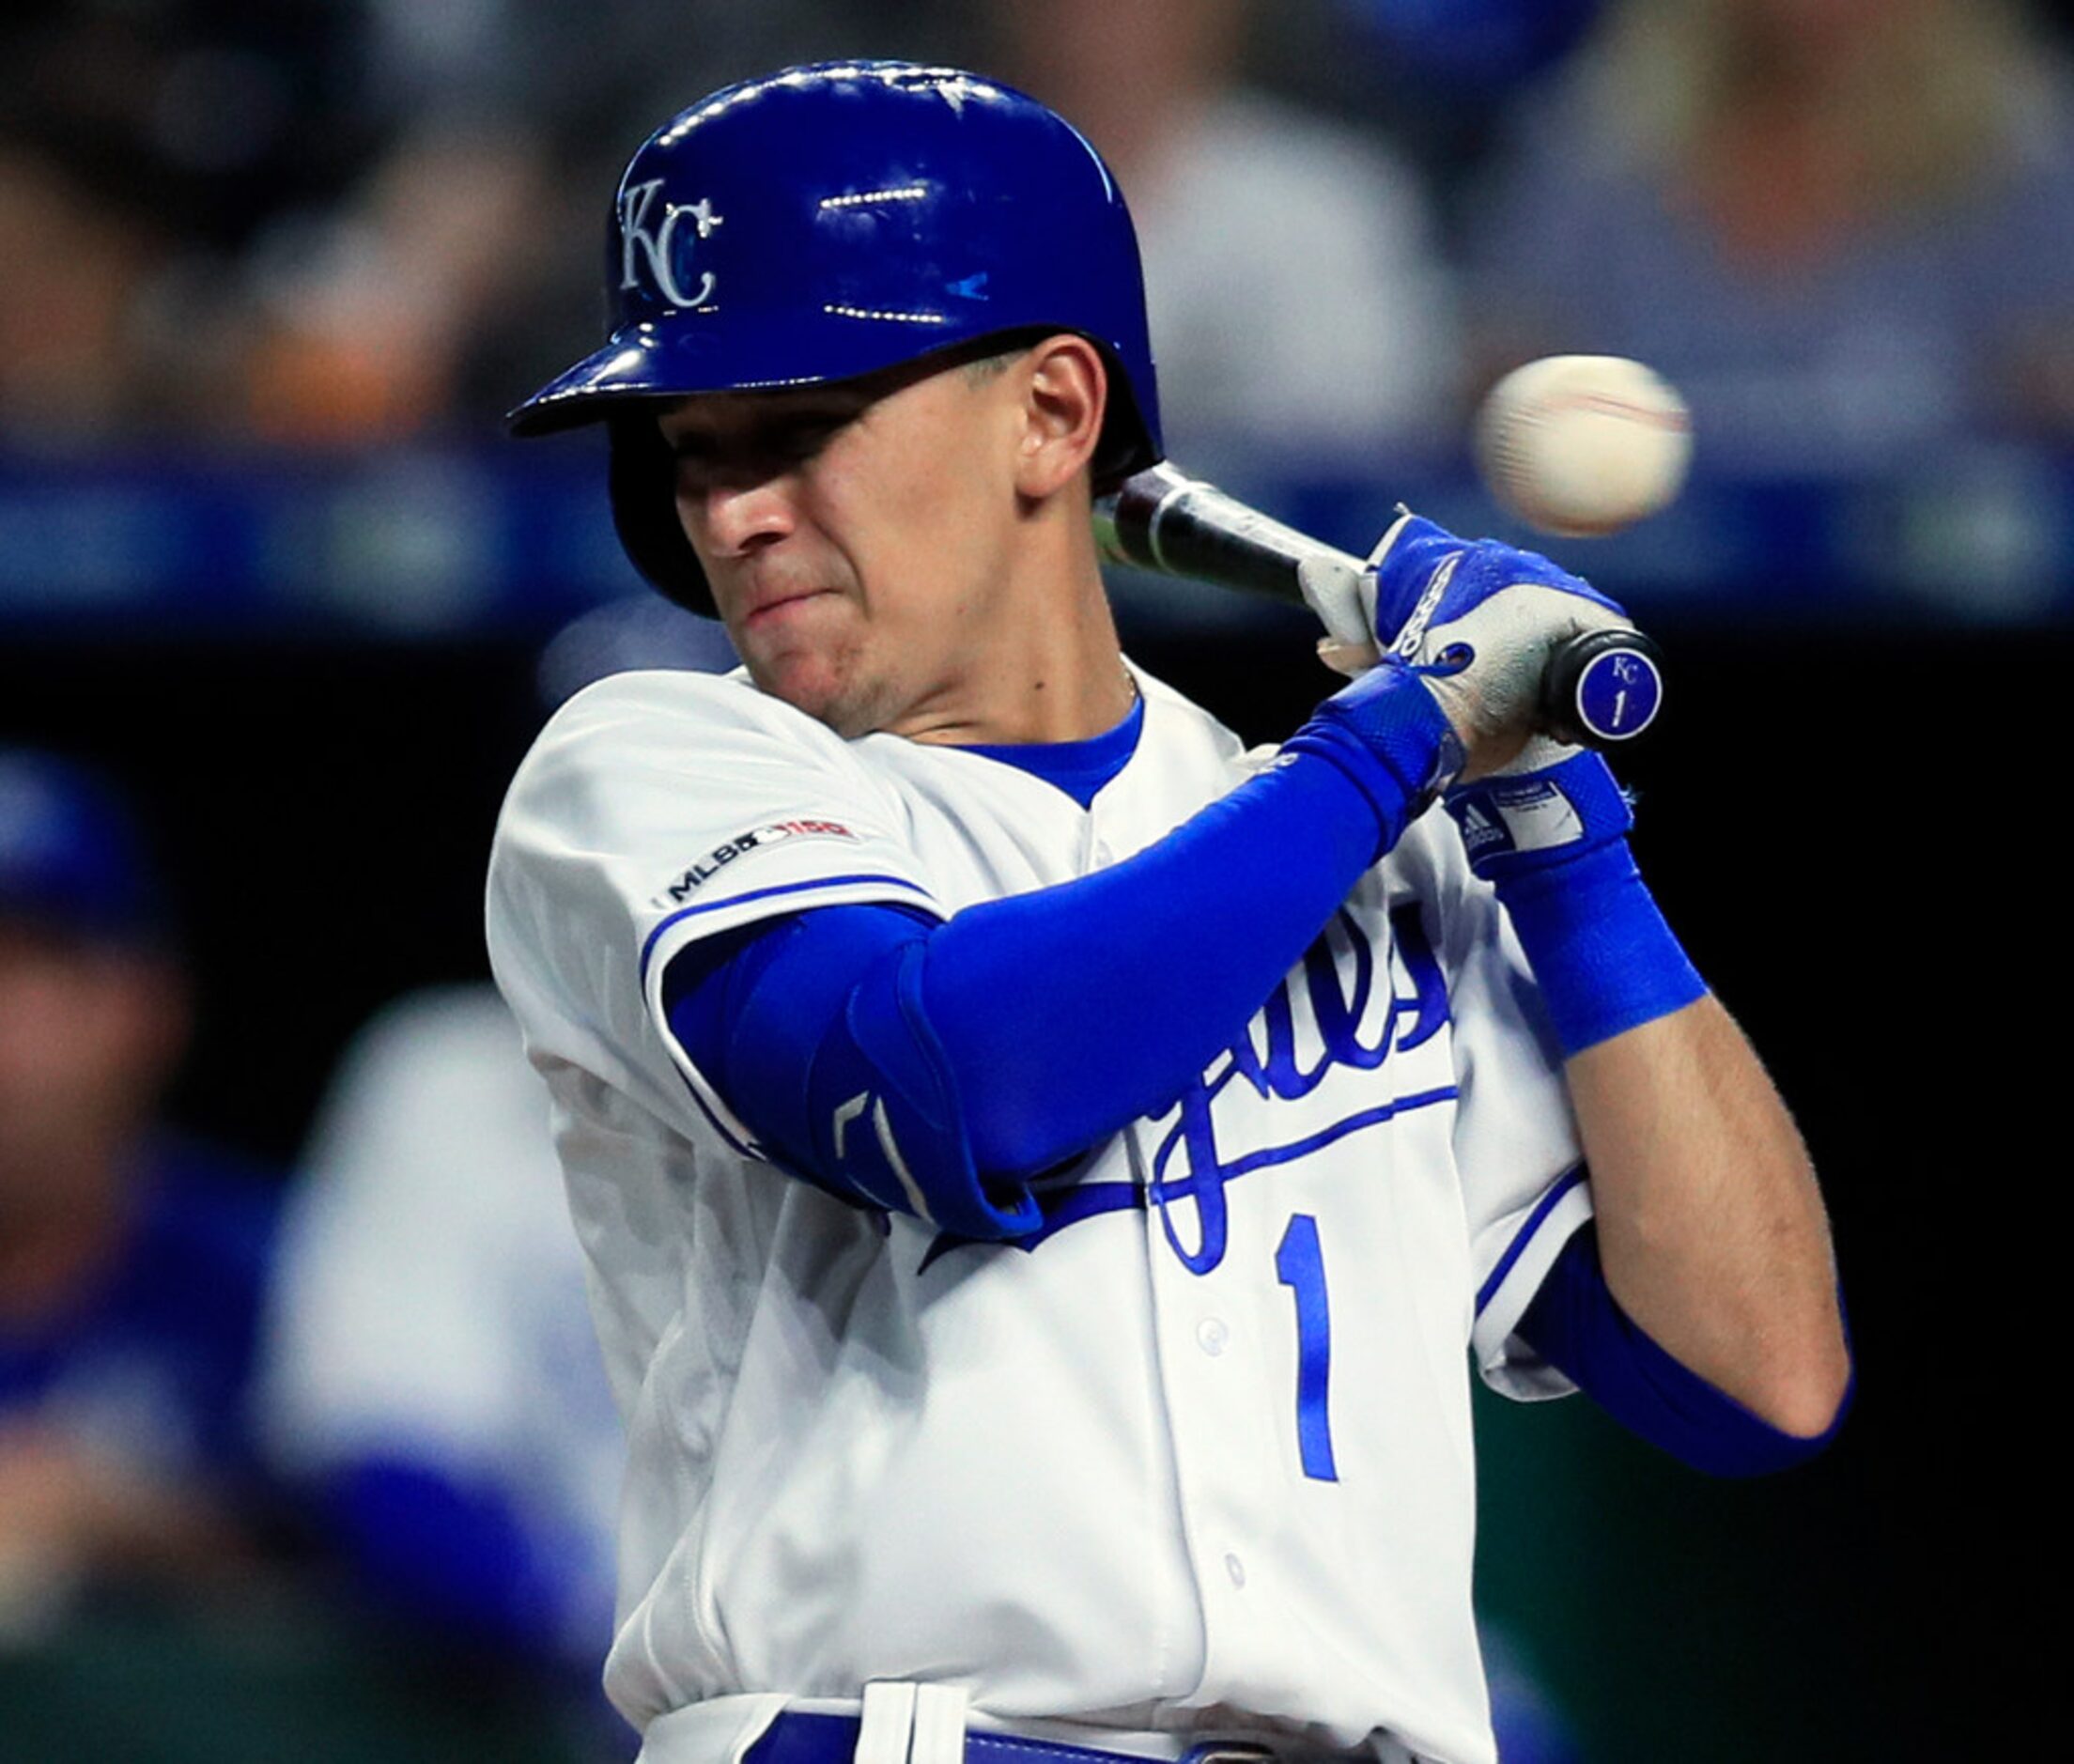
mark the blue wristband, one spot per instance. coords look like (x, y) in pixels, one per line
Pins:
(1555, 845)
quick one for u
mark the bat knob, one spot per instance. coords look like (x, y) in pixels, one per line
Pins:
(1603, 689)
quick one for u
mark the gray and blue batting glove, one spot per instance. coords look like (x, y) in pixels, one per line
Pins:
(1476, 619)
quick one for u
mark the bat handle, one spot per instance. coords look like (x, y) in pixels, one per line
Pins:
(1603, 688)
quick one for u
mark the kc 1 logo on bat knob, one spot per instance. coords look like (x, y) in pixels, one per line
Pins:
(1619, 688)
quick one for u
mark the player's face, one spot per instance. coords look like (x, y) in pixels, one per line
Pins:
(855, 537)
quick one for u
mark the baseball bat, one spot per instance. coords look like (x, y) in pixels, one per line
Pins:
(1601, 687)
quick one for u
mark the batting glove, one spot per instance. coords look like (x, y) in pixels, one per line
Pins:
(1476, 619)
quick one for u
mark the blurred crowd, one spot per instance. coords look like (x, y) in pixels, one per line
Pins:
(132, 1263)
(369, 1391)
(1841, 225)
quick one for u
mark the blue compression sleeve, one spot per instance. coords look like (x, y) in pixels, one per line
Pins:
(1576, 1323)
(873, 1050)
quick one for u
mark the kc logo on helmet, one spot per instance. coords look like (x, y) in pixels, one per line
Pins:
(643, 232)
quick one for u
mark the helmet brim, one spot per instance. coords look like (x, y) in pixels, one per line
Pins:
(665, 361)
(626, 368)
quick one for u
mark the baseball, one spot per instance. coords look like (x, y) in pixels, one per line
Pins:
(1583, 445)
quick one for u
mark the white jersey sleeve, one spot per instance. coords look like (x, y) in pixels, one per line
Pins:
(657, 809)
(1516, 1148)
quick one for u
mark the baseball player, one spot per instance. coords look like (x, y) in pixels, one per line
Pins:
(1041, 1164)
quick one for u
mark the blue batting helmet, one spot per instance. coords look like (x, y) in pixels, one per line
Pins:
(832, 221)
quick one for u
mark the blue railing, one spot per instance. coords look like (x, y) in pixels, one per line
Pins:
(453, 544)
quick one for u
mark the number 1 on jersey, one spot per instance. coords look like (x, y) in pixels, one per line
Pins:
(1301, 1265)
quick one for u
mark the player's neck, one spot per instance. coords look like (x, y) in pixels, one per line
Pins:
(1050, 667)
(1012, 698)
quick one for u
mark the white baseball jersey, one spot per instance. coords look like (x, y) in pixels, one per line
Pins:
(1196, 1455)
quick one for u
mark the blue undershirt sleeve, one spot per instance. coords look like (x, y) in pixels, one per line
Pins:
(933, 1068)
(1576, 1323)
(755, 1007)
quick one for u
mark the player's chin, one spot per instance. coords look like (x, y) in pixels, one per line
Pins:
(816, 682)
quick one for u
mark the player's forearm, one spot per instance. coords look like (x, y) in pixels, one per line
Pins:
(1128, 982)
(1711, 1228)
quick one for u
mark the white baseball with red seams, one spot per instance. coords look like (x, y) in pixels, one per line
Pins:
(1584, 445)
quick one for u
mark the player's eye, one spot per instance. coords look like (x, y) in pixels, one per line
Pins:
(803, 440)
(806, 434)
(703, 459)
(693, 462)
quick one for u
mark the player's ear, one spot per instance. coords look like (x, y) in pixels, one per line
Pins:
(1066, 392)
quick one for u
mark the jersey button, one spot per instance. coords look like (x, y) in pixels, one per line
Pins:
(1236, 1569)
(1211, 1336)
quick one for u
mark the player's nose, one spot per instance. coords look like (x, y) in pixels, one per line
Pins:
(743, 512)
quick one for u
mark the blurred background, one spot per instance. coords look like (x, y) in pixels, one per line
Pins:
(304, 1449)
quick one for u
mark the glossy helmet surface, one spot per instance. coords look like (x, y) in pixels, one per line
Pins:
(832, 221)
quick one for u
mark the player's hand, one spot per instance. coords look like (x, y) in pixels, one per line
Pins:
(1476, 620)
